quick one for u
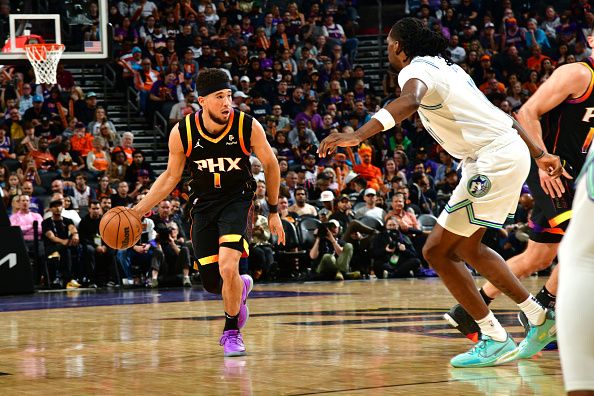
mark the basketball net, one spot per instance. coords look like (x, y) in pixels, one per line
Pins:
(44, 58)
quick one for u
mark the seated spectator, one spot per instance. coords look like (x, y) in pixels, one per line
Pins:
(371, 209)
(82, 194)
(260, 198)
(81, 141)
(104, 189)
(256, 167)
(66, 173)
(121, 197)
(118, 167)
(171, 256)
(283, 210)
(310, 116)
(331, 255)
(138, 163)
(446, 188)
(35, 112)
(164, 94)
(44, 160)
(60, 239)
(302, 134)
(143, 82)
(394, 254)
(421, 192)
(164, 217)
(96, 256)
(407, 221)
(24, 218)
(98, 160)
(301, 207)
(261, 255)
(85, 111)
(185, 107)
(447, 163)
(67, 209)
(99, 119)
(367, 170)
(127, 146)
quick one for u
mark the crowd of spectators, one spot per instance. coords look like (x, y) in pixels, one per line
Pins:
(364, 211)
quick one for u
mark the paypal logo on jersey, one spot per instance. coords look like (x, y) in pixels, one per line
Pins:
(218, 164)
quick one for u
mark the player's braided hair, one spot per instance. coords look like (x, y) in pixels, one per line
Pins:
(417, 40)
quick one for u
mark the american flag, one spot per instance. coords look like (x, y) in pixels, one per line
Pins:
(92, 46)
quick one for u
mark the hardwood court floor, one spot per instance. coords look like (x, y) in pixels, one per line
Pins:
(349, 338)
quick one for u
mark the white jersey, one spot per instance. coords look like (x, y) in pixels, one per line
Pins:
(454, 111)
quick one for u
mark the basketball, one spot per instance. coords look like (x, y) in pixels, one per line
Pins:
(120, 228)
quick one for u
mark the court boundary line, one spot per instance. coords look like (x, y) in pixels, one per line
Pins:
(418, 383)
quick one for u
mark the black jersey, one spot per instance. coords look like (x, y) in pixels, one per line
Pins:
(219, 165)
(568, 128)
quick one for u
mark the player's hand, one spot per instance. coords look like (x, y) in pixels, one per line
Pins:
(334, 140)
(276, 227)
(550, 169)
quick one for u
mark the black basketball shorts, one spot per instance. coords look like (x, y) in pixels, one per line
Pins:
(550, 216)
(226, 222)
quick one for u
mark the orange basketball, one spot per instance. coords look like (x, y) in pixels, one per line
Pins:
(120, 228)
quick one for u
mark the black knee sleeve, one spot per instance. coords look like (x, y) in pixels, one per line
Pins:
(211, 277)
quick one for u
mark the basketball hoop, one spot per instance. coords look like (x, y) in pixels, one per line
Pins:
(44, 58)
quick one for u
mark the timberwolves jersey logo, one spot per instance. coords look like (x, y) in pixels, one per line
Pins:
(479, 186)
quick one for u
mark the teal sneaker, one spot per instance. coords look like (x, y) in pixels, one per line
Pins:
(487, 352)
(538, 337)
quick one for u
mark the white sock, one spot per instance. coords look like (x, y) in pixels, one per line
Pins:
(533, 310)
(490, 326)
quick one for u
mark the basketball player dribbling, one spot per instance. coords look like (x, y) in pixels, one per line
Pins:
(496, 159)
(559, 117)
(216, 143)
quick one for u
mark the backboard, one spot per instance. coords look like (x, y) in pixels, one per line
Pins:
(81, 25)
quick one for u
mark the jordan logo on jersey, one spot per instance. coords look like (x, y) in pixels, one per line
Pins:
(198, 144)
(219, 164)
(479, 186)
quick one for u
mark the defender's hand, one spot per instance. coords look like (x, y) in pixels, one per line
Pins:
(334, 140)
(276, 227)
(550, 169)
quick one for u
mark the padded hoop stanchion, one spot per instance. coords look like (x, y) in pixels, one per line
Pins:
(44, 58)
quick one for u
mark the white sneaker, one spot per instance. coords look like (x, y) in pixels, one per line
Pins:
(187, 281)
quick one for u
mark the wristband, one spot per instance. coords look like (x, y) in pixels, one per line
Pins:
(272, 208)
(385, 118)
(539, 156)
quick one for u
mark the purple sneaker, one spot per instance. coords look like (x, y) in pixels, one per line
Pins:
(232, 343)
(244, 312)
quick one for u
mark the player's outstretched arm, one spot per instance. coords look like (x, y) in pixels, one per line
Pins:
(392, 114)
(567, 81)
(167, 181)
(272, 175)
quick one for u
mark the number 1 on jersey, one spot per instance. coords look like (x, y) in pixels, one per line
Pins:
(217, 180)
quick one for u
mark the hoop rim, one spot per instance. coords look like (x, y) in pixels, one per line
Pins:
(53, 46)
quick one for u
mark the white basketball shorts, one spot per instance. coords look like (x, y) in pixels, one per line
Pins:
(489, 188)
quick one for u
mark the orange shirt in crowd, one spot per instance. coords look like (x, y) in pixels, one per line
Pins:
(371, 173)
(82, 144)
(43, 160)
(100, 162)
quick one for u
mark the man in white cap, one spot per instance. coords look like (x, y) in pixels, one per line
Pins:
(244, 85)
(370, 209)
(239, 98)
(327, 198)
